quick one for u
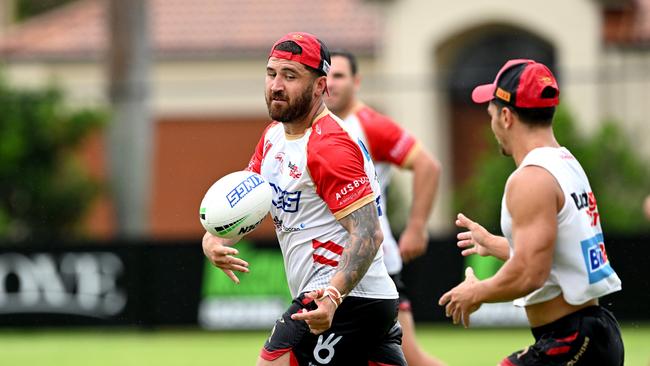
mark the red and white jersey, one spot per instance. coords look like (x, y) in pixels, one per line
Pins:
(389, 144)
(319, 178)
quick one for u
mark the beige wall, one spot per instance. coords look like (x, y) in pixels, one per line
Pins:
(187, 88)
(83, 83)
(624, 93)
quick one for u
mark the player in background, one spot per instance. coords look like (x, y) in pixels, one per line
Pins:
(389, 145)
(556, 265)
(325, 211)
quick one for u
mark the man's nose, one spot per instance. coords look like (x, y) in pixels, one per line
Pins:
(277, 84)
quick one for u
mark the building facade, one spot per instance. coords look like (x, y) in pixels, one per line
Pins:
(419, 61)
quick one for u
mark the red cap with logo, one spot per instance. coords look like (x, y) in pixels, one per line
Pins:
(521, 83)
(314, 52)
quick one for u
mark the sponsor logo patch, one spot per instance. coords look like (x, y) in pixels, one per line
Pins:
(350, 187)
(587, 200)
(502, 94)
(242, 189)
(284, 200)
(294, 171)
(249, 228)
(279, 225)
(595, 256)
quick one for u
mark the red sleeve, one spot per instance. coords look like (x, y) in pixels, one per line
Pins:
(255, 163)
(336, 165)
(388, 141)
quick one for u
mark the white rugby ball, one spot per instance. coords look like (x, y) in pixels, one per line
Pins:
(235, 204)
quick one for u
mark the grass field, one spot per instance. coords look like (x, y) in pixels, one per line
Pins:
(92, 347)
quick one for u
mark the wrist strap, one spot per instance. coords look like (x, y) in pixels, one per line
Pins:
(333, 294)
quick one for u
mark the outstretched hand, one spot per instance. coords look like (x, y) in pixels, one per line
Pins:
(461, 301)
(221, 255)
(318, 320)
(473, 241)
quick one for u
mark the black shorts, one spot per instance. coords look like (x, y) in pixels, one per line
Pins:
(404, 302)
(364, 332)
(590, 336)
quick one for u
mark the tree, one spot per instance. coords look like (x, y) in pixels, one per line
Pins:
(44, 191)
(29, 8)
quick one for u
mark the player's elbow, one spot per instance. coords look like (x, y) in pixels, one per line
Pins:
(435, 168)
(428, 165)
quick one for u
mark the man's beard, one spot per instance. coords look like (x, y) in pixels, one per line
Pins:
(293, 110)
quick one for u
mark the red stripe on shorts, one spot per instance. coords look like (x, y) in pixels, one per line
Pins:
(570, 338)
(404, 305)
(273, 355)
(293, 361)
(558, 350)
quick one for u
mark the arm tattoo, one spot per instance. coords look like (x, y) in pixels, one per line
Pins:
(357, 256)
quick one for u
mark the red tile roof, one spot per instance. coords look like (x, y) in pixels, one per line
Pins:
(628, 25)
(191, 28)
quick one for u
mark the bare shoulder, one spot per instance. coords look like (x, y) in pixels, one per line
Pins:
(532, 188)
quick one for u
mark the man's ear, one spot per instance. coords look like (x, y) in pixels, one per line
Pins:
(508, 117)
(321, 85)
(357, 82)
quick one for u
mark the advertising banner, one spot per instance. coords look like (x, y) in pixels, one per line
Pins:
(256, 302)
(153, 284)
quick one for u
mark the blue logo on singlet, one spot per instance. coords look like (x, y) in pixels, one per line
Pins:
(364, 149)
(284, 200)
(596, 261)
(242, 189)
(378, 202)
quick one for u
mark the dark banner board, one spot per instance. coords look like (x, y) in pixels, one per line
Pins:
(442, 268)
(117, 284)
(151, 284)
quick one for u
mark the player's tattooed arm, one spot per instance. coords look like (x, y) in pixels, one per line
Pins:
(365, 239)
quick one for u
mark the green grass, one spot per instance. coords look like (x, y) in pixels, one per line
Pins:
(92, 347)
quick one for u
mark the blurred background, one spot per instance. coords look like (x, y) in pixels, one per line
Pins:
(117, 115)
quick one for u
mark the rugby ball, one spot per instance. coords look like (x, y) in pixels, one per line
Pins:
(235, 204)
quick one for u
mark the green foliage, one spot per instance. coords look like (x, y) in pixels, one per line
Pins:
(44, 191)
(619, 178)
(480, 197)
(29, 8)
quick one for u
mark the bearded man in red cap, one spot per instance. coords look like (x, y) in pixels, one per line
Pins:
(325, 210)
